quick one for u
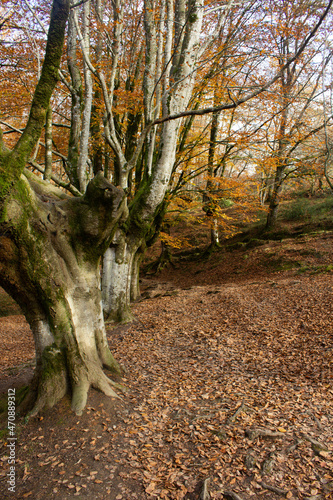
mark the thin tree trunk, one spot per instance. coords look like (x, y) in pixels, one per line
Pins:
(76, 107)
(83, 165)
(214, 234)
(274, 198)
(48, 145)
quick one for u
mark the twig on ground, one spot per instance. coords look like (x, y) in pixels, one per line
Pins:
(242, 409)
(204, 492)
(279, 491)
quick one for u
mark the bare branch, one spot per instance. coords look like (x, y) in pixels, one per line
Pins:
(260, 90)
(67, 185)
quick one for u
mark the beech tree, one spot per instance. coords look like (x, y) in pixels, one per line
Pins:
(51, 243)
(50, 247)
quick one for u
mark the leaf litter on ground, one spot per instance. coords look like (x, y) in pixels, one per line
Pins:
(230, 396)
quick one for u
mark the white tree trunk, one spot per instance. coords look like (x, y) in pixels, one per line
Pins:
(214, 233)
(83, 165)
(117, 278)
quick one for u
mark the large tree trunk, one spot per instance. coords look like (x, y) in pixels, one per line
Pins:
(50, 250)
(120, 282)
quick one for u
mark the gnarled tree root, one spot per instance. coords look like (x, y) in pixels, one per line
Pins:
(53, 383)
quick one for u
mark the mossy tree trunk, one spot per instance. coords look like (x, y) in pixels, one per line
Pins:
(50, 250)
(49, 262)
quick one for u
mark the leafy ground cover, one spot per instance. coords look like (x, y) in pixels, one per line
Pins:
(229, 376)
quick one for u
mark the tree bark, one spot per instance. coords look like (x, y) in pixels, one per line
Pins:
(274, 198)
(120, 277)
(49, 262)
(77, 103)
(82, 166)
(48, 145)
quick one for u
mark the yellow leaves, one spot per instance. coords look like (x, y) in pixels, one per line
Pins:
(173, 241)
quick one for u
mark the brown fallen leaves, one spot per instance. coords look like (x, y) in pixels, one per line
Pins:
(195, 371)
(231, 383)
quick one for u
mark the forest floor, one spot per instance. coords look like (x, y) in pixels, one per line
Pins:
(229, 377)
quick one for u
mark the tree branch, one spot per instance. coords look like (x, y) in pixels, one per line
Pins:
(260, 90)
(44, 89)
(67, 185)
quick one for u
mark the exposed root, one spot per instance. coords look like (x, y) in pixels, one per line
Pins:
(109, 362)
(121, 317)
(120, 387)
(241, 409)
(100, 382)
(316, 446)
(52, 385)
(210, 250)
(268, 465)
(48, 398)
(254, 433)
(276, 490)
(104, 384)
(231, 495)
(53, 381)
(80, 395)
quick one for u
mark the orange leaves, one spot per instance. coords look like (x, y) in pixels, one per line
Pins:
(226, 338)
(129, 101)
(173, 241)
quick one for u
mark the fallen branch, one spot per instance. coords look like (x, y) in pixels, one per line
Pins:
(204, 492)
(278, 491)
(231, 495)
(254, 433)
